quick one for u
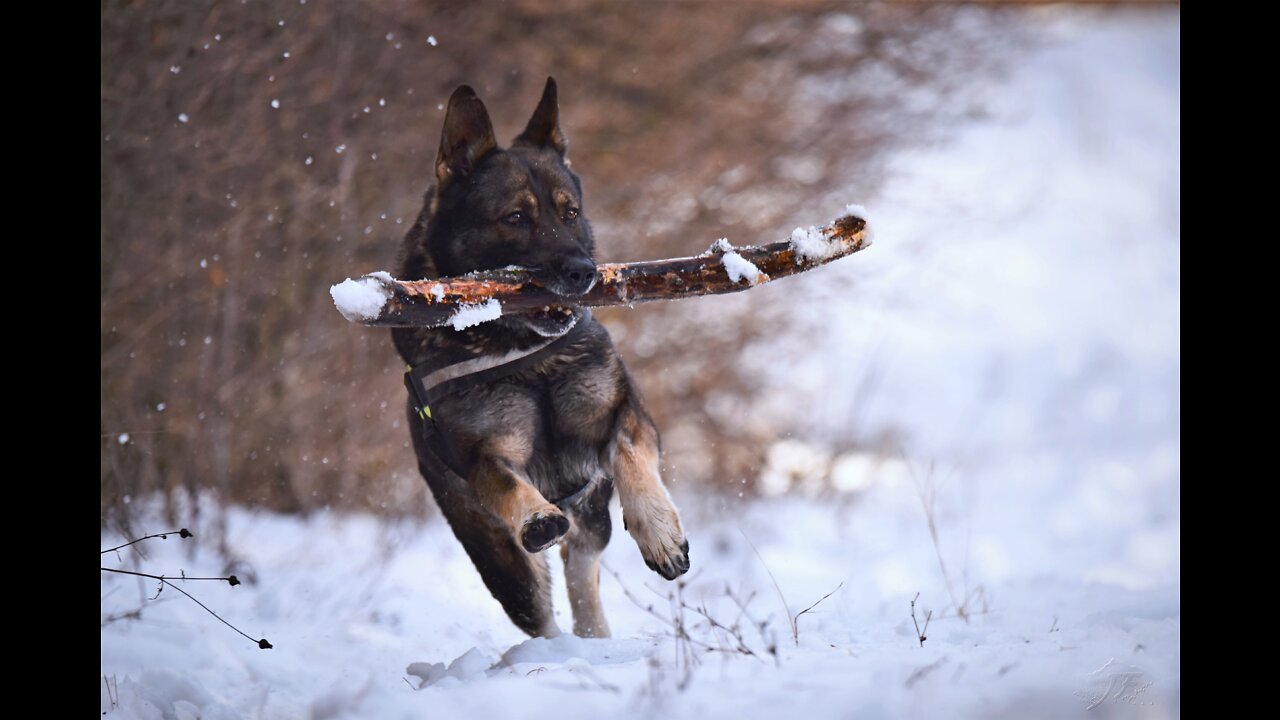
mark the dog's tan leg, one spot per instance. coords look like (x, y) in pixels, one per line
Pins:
(504, 490)
(647, 511)
(581, 553)
(582, 575)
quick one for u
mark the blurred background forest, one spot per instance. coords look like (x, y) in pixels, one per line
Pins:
(255, 153)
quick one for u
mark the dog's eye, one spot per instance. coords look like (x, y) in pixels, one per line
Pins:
(515, 218)
(571, 214)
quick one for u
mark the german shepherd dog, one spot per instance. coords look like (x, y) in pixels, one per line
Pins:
(572, 425)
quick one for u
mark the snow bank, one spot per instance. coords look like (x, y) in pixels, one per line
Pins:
(359, 610)
(566, 649)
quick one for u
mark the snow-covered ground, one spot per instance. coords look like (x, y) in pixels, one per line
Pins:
(1016, 326)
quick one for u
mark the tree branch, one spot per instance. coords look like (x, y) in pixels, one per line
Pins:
(378, 300)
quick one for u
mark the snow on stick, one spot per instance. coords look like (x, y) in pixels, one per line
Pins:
(378, 300)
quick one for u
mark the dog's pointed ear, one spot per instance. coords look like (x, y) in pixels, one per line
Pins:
(467, 137)
(543, 130)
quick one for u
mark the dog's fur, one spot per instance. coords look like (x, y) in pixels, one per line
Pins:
(542, 432)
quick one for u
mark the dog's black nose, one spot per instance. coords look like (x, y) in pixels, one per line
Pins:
(577, 275)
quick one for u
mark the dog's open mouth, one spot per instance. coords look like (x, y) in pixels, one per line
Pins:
(552, 320)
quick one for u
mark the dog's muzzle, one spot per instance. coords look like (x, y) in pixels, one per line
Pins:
(573, 277)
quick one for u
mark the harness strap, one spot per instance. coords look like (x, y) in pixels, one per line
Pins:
(429, 382)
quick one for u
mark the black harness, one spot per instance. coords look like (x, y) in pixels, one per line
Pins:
(431, 381)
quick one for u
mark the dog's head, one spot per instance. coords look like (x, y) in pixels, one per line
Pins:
(519, 206)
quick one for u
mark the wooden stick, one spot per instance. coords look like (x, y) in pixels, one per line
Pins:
(378, 300)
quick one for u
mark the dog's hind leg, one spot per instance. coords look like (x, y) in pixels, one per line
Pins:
(647, 510)
(519, 580)
(581, 554)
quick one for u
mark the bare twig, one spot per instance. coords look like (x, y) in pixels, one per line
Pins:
(231, 580)
(795, 622)
(920, 632)
(262, 643)
(928, 494)
(928, 498)
(978, 594)
(164, 581)
(635, 600)
(112, 698)
(771, 638)
(686, 660)
(183, 533)
(785, 608)
(949, 615)
(728, 638)
(733, 631)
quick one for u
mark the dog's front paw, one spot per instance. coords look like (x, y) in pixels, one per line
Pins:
(670, 565)
(662, 543)
(543, 529)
